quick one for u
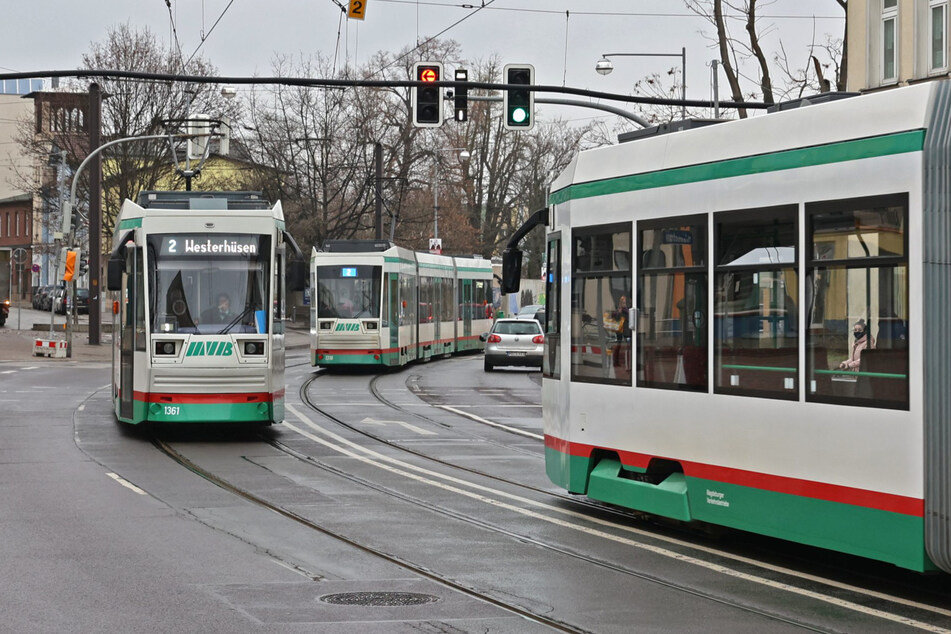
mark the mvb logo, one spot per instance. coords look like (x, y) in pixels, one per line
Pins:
(210, 349)
(347, 327)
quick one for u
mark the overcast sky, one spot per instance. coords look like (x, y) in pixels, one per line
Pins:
(243, 36)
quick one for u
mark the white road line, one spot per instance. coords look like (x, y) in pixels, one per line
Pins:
(32, 367)
(8, 372)
(126, 483)
(490, 423)
(377, 459)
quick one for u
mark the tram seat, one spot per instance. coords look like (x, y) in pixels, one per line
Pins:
(892, 333)
(751, 378)
(885, 361)
(820, 356)
(695, 365)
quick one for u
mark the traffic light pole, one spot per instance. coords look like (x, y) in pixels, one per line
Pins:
(95, 216)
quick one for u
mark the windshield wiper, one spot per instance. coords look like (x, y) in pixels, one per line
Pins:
(234, 322)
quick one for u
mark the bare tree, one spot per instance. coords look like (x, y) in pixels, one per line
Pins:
(130, 108)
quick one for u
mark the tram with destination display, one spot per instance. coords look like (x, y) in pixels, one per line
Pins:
(378, 304)
(748, 324)
(200, 282)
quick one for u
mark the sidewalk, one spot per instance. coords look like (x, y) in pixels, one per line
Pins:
(17, 345)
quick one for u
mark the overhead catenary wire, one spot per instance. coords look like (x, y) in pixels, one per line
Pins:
(376, 83)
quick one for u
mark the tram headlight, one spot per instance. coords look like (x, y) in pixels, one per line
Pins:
(252, 348)
(370, 325)
(166, 348)
(326, 325)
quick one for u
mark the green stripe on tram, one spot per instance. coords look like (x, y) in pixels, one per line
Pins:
(886, 145)
(851, 528)
(131, 223)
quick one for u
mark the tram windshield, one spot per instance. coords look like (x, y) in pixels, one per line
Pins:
(348, 292)
(209, 283)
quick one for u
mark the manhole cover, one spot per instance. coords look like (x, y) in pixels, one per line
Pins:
(379, 599)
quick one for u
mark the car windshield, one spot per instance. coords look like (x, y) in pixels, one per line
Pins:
(516, 328)
(82, 292)
(209, 283)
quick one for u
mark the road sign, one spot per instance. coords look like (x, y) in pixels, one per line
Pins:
(357, 9)
(35, 268)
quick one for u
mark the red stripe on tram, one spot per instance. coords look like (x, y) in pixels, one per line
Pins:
(203, 399)
(778, 484)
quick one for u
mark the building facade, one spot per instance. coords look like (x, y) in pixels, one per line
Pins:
(896, 42)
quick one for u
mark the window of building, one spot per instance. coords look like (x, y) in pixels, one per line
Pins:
(672, 303)
(857, 290)
(551, 365)
(938, 10)
(889, 40)
(16, 223)
(600, 294)
(755, 303)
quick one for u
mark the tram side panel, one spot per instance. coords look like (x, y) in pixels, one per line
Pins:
(790, 445)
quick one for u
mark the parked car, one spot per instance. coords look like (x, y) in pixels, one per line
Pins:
(40, 295)
(514, 341)
(82, 301)
(47, 300)
(58, 301)
(533, 311)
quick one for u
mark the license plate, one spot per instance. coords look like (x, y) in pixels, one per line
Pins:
(516, 354)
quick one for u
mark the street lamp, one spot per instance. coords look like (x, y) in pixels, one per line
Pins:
(464, 156)
(604, 67)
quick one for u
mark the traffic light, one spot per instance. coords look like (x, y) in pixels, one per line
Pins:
(427, 100)
(519, 103)
(461, 98)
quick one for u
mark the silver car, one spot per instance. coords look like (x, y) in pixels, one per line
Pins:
(514, 342)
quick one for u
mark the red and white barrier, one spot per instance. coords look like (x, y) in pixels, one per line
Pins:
(47, 348)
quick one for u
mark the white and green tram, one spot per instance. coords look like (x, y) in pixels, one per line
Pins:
(199, 307)
(378, 304)
(749, 325)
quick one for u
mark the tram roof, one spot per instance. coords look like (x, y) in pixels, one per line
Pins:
(866, 116)
(203, 200)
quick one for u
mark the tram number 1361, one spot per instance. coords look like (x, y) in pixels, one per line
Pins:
(173, 410)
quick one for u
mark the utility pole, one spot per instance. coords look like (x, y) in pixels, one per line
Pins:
(378, 188)
(94, 121)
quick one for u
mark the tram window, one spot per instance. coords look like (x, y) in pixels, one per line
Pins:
(551, 365)
(857, 282)
(672, 303)
(756, 329)
(348, 292)
(197, 285)
(600, 297)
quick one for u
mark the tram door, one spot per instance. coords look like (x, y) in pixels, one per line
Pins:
(393, 309)
(130, 300)
(465, 312)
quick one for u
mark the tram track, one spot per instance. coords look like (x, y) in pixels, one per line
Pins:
(600, 509)
(582, 557)
(420, 570)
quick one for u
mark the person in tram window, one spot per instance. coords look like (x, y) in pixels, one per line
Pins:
(862, 341)
(220, 314)
(620, 316)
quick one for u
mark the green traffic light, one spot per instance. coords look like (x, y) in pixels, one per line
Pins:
(519, 115)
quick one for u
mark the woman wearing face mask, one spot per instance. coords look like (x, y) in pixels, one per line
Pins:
(862, 341)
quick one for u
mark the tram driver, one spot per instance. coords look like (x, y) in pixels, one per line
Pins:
(220, 314)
